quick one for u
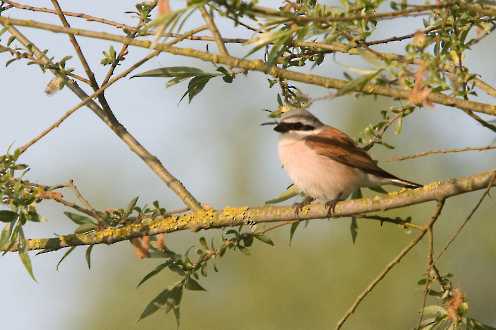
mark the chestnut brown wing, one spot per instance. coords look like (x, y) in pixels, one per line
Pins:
(338, 146)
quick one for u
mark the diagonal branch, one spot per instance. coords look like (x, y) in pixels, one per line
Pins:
(82, 58)
(153, 162)
(391, 265)
(214, 30)
(235, 216)
(260, 66)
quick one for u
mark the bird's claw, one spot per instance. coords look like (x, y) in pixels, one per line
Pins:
(331, 206)
(299, 206)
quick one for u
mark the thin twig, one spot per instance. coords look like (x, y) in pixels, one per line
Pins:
(440, 151)
(89, 73)
(214, 30)
(430, 263)
(476, 207)
(87, 100)
(418, 10)
(257, 65)
(150, 160)
(83, 200)
(390, 266)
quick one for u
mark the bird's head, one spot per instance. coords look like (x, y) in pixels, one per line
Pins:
(297, 121)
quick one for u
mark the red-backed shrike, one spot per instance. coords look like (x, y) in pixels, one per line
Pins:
(324, 163)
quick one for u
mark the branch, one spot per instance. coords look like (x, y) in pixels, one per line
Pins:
(234, 216)
(440, 151)
(214, 30)
(476, 207)
(258, 65)
(391, 265)
(153, 162)
(104, 86)
(417, 10)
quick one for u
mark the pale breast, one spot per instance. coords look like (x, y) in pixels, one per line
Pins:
(315, 175)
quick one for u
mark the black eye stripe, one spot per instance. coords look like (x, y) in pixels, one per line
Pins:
(286, 127)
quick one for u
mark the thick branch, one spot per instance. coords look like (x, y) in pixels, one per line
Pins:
(258, 65)
(233, 216)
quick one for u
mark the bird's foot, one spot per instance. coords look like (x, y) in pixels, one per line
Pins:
(331, 206)
(299, 206)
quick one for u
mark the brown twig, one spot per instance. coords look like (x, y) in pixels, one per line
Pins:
(88, 99)
(390, 266)
(87, 17)
(430, 264)
(418, 10)
(257, 65)
(82, 58)
(83, 200)
(151, 161)
(214, 30)
(476, 207)
(440, 151)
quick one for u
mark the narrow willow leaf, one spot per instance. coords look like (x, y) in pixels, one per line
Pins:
(292, 231)
(79, 219)
(169, 298)
(66, 254)
(4, 236)
(434, 310)
(264, 239)
(88, 255)
(131, 205)
(154, 272)
(193, 285)
(85, 228)
(172, 71)
(196, 85)
(7, 216)
(26, 261)
(358, 84)
(354, 224)
(289, 193)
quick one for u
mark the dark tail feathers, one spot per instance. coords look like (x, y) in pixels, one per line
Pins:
(405, 183)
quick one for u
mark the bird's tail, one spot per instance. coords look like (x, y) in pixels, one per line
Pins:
(404, 183)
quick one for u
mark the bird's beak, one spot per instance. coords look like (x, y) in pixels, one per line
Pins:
(280, 128)
(269, 123)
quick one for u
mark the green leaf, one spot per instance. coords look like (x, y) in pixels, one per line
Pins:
(292, 231)
(203, 243)
(7, 216)
(66, 254)
(193, 285)
(358, 84)
(169, 298)
(354, 224)
(87, 255)
(26, 261)
(131, 205)
(79, 219)
(85, 228)
(154, 272)
(172, 71)
(4, 236)
(196, 85)
(265, 239)
(289, 193)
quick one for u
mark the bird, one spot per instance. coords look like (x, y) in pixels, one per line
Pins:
(324, 163)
